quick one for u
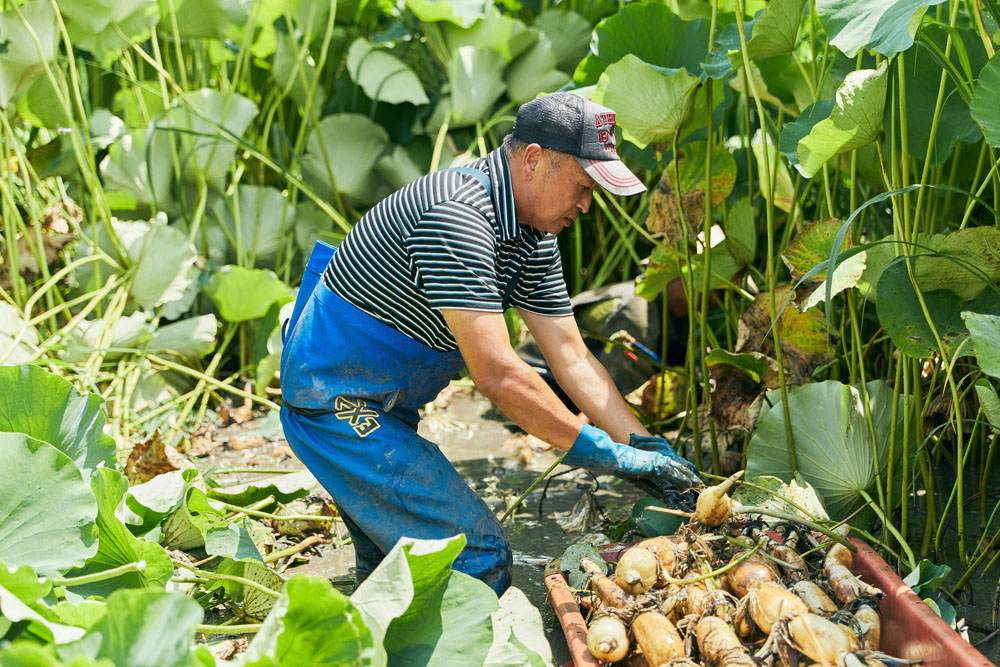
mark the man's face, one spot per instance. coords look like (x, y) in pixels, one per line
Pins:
(559, 191)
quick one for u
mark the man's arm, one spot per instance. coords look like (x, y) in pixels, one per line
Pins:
(503, 377)
(581, 375)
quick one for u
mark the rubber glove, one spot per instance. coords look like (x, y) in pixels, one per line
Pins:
(594, 448)
(652, 443)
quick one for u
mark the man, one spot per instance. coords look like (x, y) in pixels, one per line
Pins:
(415, 292)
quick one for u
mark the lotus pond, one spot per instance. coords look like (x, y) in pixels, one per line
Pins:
(810, 289)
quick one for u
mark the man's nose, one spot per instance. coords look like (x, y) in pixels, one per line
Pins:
(585, 201)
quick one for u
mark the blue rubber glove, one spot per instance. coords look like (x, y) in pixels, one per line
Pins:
(594, 448)
(652, 443)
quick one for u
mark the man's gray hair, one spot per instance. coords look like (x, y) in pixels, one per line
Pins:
(513, 146)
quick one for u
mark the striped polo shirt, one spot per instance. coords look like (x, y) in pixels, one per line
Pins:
(443, 241)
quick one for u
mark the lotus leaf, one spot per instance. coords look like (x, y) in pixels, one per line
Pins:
(233, 540)
(312, 623)
(383, 76)
(518, 638)
(984, 107)
(17, 337)
(534, 72)
(475, 75)
(775, 29)
(664, 106)
(855, 120)
(38, 477)
(966, 262)
(264, 213)
(652, 33)
(341, 153)
(40, 106)
(139, 164)
(47, 407)
(754, 364)
(208, 133)
(664, 215)
(282, 487)
(94, 25)
(741, 231)
(296, 73)
(460, 12)
(117, 546)
(257, 604)
(190, 339)
(116, 337)
(985, 332)
(954, 121)
(569, 34)
(189, 523)
(142, 628)
(781, 190)
(779, 496)
(16, 610)
(85, 614)
(506, 36)
(989, 401)
(833, 445)
(396, 169)
(664, 266)
(22, 61)
(230, 287)
(147, 503)
(902, 316)
(884, 26)
(201, 19)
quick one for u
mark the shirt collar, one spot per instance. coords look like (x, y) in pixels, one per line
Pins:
(503, 194)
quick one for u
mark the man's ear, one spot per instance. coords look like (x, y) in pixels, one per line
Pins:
(531, 160)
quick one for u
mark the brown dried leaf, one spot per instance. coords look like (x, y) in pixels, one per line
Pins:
(661, 396)
(240, 443)
(664, 217)
(735, 398)
(803, 335)
(151, 458)
(202, 444)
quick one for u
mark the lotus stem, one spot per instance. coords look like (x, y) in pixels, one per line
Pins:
(294, 549)
(520, 499)
(202, 574)
(228, 629)
(784, 516)
(714, 573)
(137, 566)
(279, 517)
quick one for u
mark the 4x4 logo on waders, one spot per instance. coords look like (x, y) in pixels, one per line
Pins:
(363, 419)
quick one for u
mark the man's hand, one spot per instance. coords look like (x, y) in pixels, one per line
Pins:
(683, 467)
(594, 448)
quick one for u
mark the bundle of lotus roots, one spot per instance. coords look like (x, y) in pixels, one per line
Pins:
(726, 592)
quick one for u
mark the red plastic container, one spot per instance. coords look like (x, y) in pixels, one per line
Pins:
(909, 628)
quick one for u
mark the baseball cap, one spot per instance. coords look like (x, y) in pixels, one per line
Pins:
(568, 123)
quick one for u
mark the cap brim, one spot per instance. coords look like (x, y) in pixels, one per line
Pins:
(612, 175)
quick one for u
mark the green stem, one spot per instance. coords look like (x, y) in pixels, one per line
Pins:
(279, 517)
(204, 574)
(785, 516)
(104, 575)
(228, 629)
(520, 499)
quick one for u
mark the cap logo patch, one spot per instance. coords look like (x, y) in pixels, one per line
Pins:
(605, 119)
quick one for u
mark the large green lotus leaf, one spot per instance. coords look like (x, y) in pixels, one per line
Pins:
(692, 9)
(311, 624)
(664, 214)
(774, 495)
(283, 487)
(847, 274)
(200, 19)
(775, 29)
(970, 262)
(40, 106)
(659, 112)
(518, 633)
(741, 231)
(47, 510)
(984, 106)
(792, 133)
(954, 122)
(652, 33)
(265, 215)
(16, 610)
(341, 153)
(117, 337)
(191, 338)
(569, 34)
(245, 294)
(989, 401)
(204, 151)
(855, 120)
(139, 164)
(833, 446)
(985, 332)
(534, 72)
(507, 36)
(475, 75)
(402, 575)
(47, 407)
(783, 190)
(884, 26)
(94, 25)
(663, 267)
(143, 628)
(232, 539)
(163, 257)
(901, 315)
(396, 169)
(383, 76)
(22, 61)
(117, 546)
(295, 73)
(146, 504)
(17, 338)
(460, 12)
(189, 523)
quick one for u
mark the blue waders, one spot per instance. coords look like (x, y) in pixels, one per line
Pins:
(351, 387)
